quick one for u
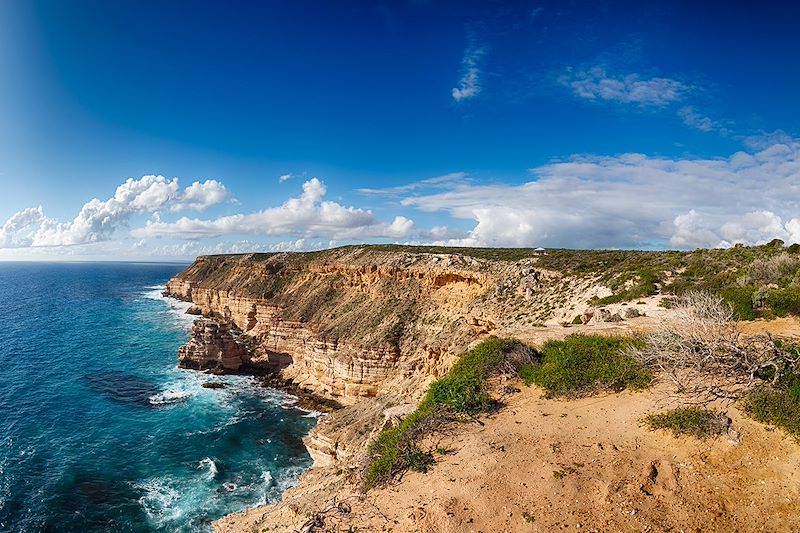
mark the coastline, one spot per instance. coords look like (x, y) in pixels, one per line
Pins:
(267, 376)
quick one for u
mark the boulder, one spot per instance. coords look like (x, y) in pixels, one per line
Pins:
(632, 312)
(601, 315)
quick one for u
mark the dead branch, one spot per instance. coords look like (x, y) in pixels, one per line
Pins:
(702, 351)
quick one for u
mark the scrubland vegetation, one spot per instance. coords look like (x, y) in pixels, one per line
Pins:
(700, 349)
(583, 364)
(578, 365)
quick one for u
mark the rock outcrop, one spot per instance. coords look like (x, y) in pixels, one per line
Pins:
(212, 347)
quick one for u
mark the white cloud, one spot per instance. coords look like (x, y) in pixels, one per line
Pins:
(307, 216)
(441, 234)
(470, 83)
(450, 180)
(13, 233)
(98, 220)
(596, 84)
(285, 177)
(191, 249)
(694, 119)
(633, 200)
(200, 196)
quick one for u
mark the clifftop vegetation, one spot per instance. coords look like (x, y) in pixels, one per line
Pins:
(759, 281)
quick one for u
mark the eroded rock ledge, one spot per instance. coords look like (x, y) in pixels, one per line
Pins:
(212, 347)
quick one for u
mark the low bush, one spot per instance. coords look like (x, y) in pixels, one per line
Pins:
(784, 302)
(694, 421)
(779, 407)
(582, 364)
(777, 404)
(741, 301)
(701, 349)
(396, 449)
(463, 391)
(776, 269)
(749, 303)
(645, 286)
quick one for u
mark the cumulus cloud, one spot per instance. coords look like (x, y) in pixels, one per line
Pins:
(11, 234)
(200, 196)
(470, 83)
(285, 177)
(98, 220)
(307, 216)
(596, 84)
(633, 200)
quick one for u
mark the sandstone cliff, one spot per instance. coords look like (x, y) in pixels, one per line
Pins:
(358, 322)
(212, 347)
(345, 324)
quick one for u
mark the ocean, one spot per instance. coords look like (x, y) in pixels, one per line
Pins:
(99, 429)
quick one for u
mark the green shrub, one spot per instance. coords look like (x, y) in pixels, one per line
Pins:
(645, 286)
(778, 405)
(582, 364)
(395, 449)
(461, 391)
(784, 302)
(694, 421)
(759, 298)
(577, 320)
(741, 300)
(463, 388)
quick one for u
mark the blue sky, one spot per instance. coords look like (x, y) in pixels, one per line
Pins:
(163, 130)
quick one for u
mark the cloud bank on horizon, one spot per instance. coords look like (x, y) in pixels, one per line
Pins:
(623, 201)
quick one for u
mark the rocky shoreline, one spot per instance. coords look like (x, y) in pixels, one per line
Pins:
(216, 348)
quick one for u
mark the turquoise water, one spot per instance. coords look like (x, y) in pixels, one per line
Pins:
(99, 431)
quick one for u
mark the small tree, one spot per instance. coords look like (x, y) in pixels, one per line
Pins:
(702, 350)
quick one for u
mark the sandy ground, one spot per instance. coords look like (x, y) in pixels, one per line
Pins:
(541, 465)
(786, 327)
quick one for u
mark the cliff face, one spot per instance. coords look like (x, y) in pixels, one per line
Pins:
(346, 324)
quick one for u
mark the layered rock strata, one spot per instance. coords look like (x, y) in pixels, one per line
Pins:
(212, 347)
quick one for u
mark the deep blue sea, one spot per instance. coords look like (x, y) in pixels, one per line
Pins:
(100, 431)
